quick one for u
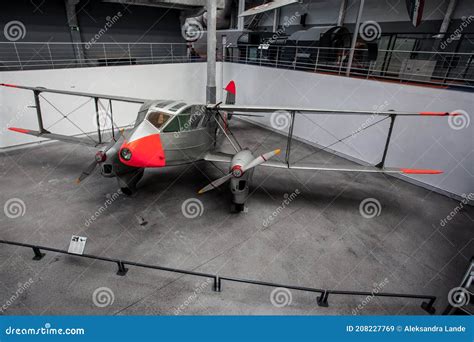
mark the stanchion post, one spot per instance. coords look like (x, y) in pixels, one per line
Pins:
(122, 270)
(217, 284)
(38, 254)
(428, 306)
(323, 299)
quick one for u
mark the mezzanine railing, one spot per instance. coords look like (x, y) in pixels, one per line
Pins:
(438, 68)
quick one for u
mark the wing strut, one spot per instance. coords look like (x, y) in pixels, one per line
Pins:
(38, 112)
(97, 118)
(233, 141)
(290, 137)
(387, 143)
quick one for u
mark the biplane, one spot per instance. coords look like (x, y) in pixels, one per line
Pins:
(170, 133)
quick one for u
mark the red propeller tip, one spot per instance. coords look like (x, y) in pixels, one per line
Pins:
(8, 85)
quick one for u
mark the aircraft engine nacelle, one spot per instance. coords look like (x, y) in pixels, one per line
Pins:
(240, 182)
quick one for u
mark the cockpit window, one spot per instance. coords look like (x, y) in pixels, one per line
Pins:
(176, 107)
(158, 119)
(173, 126)
(163, 104)
(196, 115)
(191, 118)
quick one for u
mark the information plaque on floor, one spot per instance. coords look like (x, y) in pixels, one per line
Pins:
(77, 244)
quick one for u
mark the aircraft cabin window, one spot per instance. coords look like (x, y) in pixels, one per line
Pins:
(173, 126)
(191, 118)
(185, 122)
(195, 116)
(165, 103)
(176, 107)
(158, 119)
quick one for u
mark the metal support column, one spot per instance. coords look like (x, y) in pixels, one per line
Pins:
(276, 19)
(354, 37)
(447, 18)
(342, 13)
(240, 20)
(74, 29)
(211, 51)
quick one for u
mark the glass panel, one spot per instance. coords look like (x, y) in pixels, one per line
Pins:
(158, 119)
(197, 113)
(176, 107)
(164, 104)
(184, 122)
(173, 126)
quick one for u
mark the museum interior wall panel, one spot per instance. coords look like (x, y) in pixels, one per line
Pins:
(421, 142)
(158, 81)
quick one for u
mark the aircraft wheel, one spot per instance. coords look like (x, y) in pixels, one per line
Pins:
(127, 191)
(236, 208)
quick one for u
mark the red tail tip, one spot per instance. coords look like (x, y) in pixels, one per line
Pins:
(19, 130)
(231, 87)
(421, 172)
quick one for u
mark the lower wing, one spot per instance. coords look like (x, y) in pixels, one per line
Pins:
(53, 136)
(227, 158)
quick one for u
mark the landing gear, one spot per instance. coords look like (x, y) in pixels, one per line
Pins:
(128, 181)
(236, 208)
(127, 191)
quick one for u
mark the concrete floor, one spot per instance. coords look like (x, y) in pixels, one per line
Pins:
(319, 240)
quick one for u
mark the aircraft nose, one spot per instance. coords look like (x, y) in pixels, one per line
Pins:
(146, 151)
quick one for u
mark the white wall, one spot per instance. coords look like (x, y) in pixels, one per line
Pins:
(159, 81)
(417, 142)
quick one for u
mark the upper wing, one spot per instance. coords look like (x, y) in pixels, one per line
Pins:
(77, 93)
(44, 133)
(261, 109)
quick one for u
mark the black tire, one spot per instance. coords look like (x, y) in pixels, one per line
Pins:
(127, 191)
(236, 208)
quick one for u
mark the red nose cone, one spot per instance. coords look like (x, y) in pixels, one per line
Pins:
(145, 152)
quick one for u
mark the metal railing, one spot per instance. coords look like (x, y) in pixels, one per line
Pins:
(322, 300)
(50, 55)
(440, 68)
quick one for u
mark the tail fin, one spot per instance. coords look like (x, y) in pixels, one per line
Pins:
(231, 92)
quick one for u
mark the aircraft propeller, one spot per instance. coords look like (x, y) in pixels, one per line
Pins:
(100, 157)
(237, 171)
